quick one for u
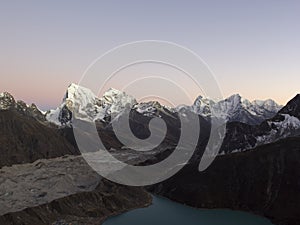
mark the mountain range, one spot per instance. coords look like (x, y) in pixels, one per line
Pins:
(249, 124)
(256, 169)
(113, 102)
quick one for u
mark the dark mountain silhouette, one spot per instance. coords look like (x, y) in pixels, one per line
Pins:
(263, 181)
(25, 136)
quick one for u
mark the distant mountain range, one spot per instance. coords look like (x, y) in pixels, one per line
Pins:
(113, 102)
(256, 169)
(249, 124)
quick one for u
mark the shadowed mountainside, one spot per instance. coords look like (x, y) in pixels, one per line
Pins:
(24, 139)
(264, 181)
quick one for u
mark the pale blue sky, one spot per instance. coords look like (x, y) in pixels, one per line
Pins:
(253, 47)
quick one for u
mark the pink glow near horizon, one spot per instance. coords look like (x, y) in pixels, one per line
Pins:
(46, 46)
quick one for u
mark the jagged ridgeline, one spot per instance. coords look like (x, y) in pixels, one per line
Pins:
(113, 102)
(249, 124)
(257, 168)
(26, 135)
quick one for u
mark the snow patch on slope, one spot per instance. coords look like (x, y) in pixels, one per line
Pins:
(280, 130)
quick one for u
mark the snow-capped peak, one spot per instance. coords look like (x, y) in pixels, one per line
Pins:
(82, 103)
(202, 106)
(117, 100)
(234, 108)
(89, 107)
(76, 94)
(269, 105)
(231, 104)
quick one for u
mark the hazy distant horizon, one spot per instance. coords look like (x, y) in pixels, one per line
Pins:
(49, 107)
(251, 46)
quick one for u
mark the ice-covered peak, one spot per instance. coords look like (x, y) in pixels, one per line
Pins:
(235, 108)
(202, 106)
(81, 103)
(246, 103)
(230, 105)
(150, 108)
(233, 101)
(234, 98)
(200, 100)
(117, 100)
(113, 102)
(111, 95)
(268, 104)
(263, 109)
(76, 94)
(79, 99)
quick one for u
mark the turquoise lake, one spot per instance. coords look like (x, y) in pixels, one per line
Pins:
(163, 212)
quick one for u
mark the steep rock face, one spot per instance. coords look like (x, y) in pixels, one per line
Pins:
(25, 139)
(7, 102)
(292, 108)
(241, 136)
(82, 208)
(262, 181)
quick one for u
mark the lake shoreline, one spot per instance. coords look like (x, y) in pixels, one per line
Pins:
(168, 210)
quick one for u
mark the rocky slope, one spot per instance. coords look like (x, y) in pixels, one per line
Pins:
(25, 139)
(32, 184)
(83, 208)
(8, 103)
(62, 191)
(263, 181)
(241, 136)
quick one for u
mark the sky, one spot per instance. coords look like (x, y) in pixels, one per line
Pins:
(252, 47)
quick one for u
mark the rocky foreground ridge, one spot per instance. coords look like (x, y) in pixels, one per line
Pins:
(63, 190)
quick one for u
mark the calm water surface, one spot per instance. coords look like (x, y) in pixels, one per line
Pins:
(163, 212)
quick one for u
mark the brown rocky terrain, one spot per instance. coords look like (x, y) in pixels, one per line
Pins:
(83, 208)
(63, 190)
